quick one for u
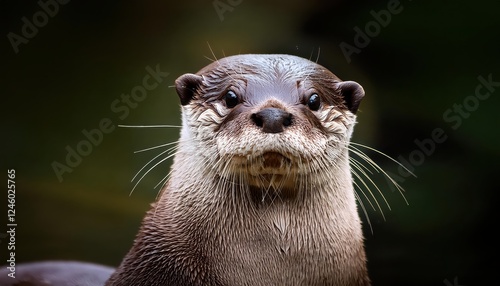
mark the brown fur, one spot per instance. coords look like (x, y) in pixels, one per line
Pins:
(250, 206)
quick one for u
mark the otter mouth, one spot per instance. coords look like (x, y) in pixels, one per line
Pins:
(270, 163)
(267, 163)
(267, 170)
(274, 160)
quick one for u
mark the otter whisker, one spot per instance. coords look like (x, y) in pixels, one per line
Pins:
(244, 189)
(213, 54)
(156, 147)
(317, 56)
(355, 164)
(168, 151)
(370, 191)
(149, 170)
(225, 174)
(215, 59)
(362, 155)
(145, 165)
(150, 126)
(163, 180)
(278, 185)
(364, 211)
(365, 169)
(383, 154)
(376, 167)
(359, 188)
(265, 186)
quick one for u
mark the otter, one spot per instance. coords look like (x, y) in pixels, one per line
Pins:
(260, 190)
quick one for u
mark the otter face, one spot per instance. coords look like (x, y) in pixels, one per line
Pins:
(269, 118)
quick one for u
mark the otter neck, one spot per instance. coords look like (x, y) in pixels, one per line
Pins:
(320, 226)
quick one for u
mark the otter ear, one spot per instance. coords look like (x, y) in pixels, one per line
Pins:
(352, 92)
(186, 85)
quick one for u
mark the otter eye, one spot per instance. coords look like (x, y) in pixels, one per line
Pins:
(314, 102)
(231, 99)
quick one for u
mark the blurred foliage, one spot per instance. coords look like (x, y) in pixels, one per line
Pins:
(426, 59)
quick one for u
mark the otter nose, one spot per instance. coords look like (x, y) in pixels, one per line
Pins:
(272, 120)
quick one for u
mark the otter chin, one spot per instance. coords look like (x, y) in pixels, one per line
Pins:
(260, 191)
(270, 171)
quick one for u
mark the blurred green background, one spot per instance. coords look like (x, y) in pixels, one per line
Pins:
(415, 67)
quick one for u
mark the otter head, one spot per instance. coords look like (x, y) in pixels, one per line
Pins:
(266, 120)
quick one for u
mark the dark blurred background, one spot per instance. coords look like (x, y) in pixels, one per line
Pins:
(64, 71)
